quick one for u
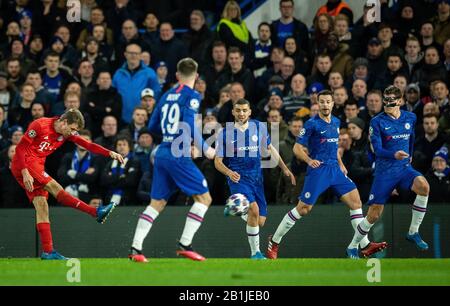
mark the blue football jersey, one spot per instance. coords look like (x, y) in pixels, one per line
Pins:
(321, 138)
(174, 119)
(389, 135)
(241, 150)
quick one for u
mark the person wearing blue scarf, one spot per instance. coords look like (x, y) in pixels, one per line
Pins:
(121, 180)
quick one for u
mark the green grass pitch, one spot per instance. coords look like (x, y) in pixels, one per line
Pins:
(229, 272)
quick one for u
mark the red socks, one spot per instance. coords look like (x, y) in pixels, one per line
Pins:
(66, 199)
(46, 236)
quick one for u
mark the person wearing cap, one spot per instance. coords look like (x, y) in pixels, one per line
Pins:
(162, 72)
(377, 62)
(275, 101)
(148, 100)
(15, 134)
(361, 72)
(26, 25)
(438, 177)
(442, 22)
(356, 128)
(103, 101)
(413, 102)
(143, 149)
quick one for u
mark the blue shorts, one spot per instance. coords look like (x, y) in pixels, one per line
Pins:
(320, 179)
(254, 191)
(168, 174)
(383, 185)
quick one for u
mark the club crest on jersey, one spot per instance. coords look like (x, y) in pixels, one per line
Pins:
(302, 132)
(255, 138)
(194, 104)
(407, 126)
(307, 195)
(32, 133)
(370, 131)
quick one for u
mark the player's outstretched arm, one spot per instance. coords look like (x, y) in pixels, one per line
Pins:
(274, 153)
(300, 153)
(96, 148)
(220, 166)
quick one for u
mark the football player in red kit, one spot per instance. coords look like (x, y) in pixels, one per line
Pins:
(41, 139)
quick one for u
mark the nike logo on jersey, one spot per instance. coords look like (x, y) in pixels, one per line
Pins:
(323, 132)
(46, 137)
(234, 141)
(388, 128)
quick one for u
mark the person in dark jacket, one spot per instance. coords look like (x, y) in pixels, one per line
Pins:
(198, 38)
(103, 101)
(121, 180)
(439, 177)
(12, 195)
(432, 70)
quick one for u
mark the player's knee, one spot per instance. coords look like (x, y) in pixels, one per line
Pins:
(262, 221)
(423, 188)
(253, 210)
(303, 209)
(374, 214)
(204, 199)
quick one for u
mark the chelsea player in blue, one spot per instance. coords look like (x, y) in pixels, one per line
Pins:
(174, 119)
(392, 138)
(239, 149)
(325, 170)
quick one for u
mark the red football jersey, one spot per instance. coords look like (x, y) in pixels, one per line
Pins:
(40, 140)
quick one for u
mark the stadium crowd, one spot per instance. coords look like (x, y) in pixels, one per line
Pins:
(122, 56)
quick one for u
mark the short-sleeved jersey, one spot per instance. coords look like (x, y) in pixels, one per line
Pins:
(389, 135)
(321, 138)
(242, 150)
(174, 119)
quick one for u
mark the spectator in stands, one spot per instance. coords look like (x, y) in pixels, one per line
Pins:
(321, 70)
(297, 101)
(414, 55)
(12, 195)
(323, 26)
(4, 129)
(162, 72)
(342, 62)
(340, 97)
(103, 100)
(37, 110)
(447, 57)
(439, 177)
(237, 72)
(433, 69)
(216, 68)
(42, 95)
(148, 101)
(276, 122)
(21, 113)
(85, 77)
(69, 55)
(401, 82)
(300, 56)
(131, 79)
(407, 22)
(341, 28)
(105, 49)
(413, 102)
(237, 92)
(201, 87)
(151, 33)
(374, 106)
(14, 71)
(46, 17)
(361, 72)
(335, 7)
(377, 62)
(54, 77)
(120, 181)
(263, 46)
(169, 49)
(16, 134)
(17, 51)
(109, 132)
(12, 32)
(92, 54)
(97, 18)
(198, 38)
(144, 148)
(335, 80)
(35, 49)
(130, 34)
(359, 91)
(442, 22)
(427, 145)
(351, 110)
(288, 26)
(360, 140)
(116, 16)
(8, 93)
(386, 37)
(394, 67)
(275, 101)
(138, 122)
(440, 95)
(79, 172)
(276, 57)
(233, 31)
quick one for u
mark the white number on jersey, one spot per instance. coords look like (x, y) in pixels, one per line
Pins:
(173, 118)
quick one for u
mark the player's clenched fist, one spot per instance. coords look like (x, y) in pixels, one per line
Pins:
(400, 155)
(234, 176)
(313, 163)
